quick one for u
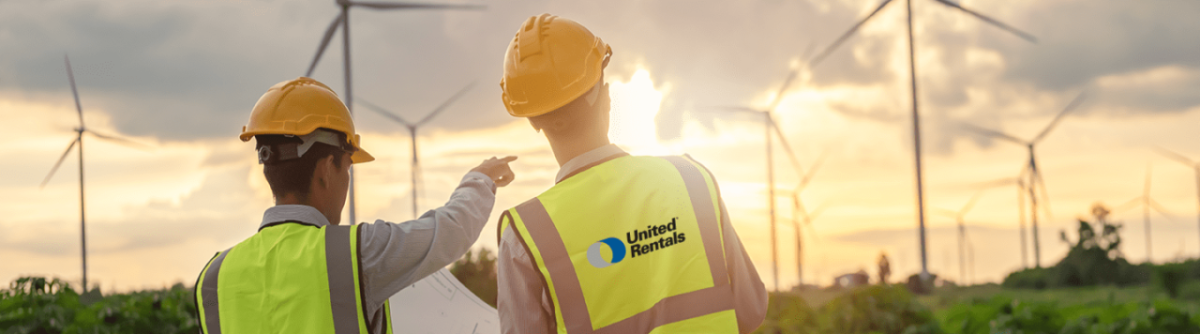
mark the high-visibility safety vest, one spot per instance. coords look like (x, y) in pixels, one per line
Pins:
(289, 277)
(632, 245)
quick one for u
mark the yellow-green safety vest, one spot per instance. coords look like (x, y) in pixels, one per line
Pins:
(631, 245)
(290, 277)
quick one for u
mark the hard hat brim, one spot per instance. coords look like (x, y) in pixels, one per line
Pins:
(361, 156)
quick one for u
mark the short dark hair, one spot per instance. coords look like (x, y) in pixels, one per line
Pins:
(294, 176)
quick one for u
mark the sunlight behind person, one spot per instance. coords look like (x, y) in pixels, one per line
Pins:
(635, 104)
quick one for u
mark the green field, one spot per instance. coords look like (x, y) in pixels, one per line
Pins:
(986, 309)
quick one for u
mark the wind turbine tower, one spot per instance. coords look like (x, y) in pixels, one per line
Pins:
(78, 140)
(771, 126)
(1035, 181)
(343, 20)
(412, 131)
(1186, 161)
(912, 66)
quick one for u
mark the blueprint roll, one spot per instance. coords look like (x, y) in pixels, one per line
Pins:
(441, 304)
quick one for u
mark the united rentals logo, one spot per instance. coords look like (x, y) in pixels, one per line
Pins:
(618, 252)
(633, 237)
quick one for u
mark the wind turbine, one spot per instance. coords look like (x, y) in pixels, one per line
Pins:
(912, 65)
(412, 131)
(1147, 203)
(343, 20)
(799, 210)
(1019, 181)
(1035, 177)
(1184, 160)
(772, 126)
(962, 234)
(78, 140)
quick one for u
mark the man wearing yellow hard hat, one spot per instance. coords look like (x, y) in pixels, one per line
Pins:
(620, 243)
(302, 272)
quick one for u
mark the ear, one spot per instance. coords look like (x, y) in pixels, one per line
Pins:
(324, 171)
(605, 103)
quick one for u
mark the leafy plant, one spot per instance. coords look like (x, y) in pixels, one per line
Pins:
(477, 271)
(38, 305)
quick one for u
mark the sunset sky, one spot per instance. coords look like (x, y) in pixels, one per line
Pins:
(183, 75)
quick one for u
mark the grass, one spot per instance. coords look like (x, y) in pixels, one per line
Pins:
(943, 298)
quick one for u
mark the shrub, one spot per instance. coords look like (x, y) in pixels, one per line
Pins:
(38, 305)
(1170, 277)
(878, 308)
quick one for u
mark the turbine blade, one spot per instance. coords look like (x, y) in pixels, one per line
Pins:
(813, 170)
(1175, 156)
(808, 51)
(787, 83)
(738, 109)
(372, 107)
(1071, 106)
(446, 104)
(119, 140)
(409, 5)
(1127, 205)
(60, 161)
(994, 134)
(1041, 184)
(333, 27)
(1024, 35)
(971, 204)
(816, 213)
(1158, 207)
(846, 35)
(74, 91)
(788, 148)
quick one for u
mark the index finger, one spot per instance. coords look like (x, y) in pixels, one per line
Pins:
(508, 159)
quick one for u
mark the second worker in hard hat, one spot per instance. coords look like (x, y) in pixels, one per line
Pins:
(620, 243)
(303, 271)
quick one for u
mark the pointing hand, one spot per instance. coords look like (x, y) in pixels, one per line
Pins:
(497, 170)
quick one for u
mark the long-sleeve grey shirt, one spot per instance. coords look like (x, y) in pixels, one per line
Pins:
(393, 255)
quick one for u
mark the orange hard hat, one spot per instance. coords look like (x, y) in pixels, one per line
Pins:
(300, 107)
(550, 62)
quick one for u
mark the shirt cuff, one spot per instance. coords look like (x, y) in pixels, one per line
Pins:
(478, 175)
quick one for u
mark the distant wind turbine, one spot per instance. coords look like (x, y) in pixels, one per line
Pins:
(1146, 203)
(1019, 181)
(412, 131)
(912, 65)
(1035, 181)
(343, 20)
(799, 210)
(772, 126)
(962, 234)
(78, 140)
(1186, 161)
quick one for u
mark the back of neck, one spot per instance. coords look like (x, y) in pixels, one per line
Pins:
(568, 147)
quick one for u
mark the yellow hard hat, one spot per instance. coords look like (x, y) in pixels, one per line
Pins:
(550, 62)
(299, 107)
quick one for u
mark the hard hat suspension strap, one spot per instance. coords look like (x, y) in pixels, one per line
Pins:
(292, 149)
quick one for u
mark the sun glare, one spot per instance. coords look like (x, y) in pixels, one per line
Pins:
(635, 104)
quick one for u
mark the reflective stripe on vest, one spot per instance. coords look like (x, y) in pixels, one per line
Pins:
(569, 295)
(342, 270)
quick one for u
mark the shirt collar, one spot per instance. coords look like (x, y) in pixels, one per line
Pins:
(293, 213)
(586, 159)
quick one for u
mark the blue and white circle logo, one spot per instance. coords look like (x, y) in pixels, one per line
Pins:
(598, 261)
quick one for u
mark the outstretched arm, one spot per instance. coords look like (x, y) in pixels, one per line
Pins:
(394, 256)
